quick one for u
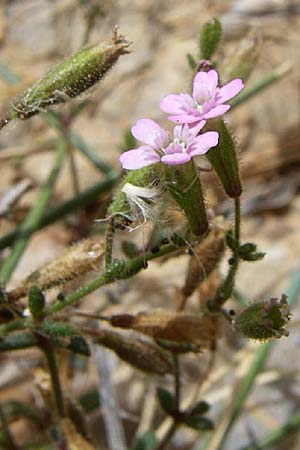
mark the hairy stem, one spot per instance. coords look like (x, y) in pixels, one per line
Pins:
(226, 288)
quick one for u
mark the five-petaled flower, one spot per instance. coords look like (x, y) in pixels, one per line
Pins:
(207, 100)
(185, 144)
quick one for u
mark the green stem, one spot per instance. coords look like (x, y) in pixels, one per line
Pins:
(34, 217)
(226, 288)
(47, 347)
(110, 232)
(117, 271)
(58, 212)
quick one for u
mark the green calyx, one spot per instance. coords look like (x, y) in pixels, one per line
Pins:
(264, 320)
(224, 160)
(184, 184)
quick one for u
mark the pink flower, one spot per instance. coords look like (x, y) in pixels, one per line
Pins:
(207, 101)
(160, 147)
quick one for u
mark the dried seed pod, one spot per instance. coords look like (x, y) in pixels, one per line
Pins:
(176, 327)
(80, 258)
(141, 354)
(205, 259)
(70, 78)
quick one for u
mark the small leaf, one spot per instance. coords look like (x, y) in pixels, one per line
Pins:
(248, 252)
(199, 409)
(146, 441)
(79, 345)
(199, 423)
(166, 401)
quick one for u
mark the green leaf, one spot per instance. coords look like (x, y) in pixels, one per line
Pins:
(248, 252)
(199, 409)
(146, 441)
(166, 401)
(199, 423)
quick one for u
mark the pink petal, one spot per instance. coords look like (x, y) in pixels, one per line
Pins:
(229, 90)
(196, 127)
(204, 83)
(138, 158)
(176, 158)
(173, 148)
(186, 118)
(202, 143)
(150, 133)
(217, 111)
(173, 104)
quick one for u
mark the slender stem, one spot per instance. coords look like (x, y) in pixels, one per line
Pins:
(225, 290)
(110, 232)
(47, 347)
(115, 272)
(34, 217)
(177, 394)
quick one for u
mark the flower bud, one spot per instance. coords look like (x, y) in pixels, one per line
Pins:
(184, 184)
(224, 160)
(70, 78)
(264, 320)
(210, 36)
(36, 301)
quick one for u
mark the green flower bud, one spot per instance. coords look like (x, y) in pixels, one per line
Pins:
(224, 160)
(36, 302)
(69, 78)
(264, 320)
(184, 184)
(210, 36)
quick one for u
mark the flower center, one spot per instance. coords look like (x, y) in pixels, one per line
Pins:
(199, 108)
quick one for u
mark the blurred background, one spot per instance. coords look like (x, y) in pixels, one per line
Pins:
(261, 34)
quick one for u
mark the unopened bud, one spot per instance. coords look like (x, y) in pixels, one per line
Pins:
(36, 302)
(210, 36)
(265, 320)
